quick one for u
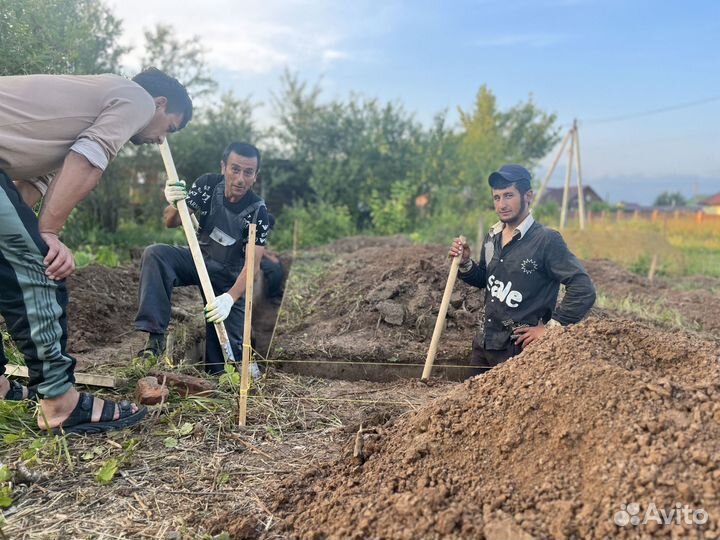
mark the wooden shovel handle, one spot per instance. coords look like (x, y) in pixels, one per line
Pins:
(194, 246)
(440, 322)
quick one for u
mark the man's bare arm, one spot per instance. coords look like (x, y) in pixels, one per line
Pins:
(72, 184)
(171, 217)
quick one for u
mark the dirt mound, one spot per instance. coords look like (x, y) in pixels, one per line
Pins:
(103, 304)
(549, 444)
(689, 296)
(377, 300)
(353, 243)
(380, 303)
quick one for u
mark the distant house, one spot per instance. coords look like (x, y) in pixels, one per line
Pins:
(711, 205)
(556, 195)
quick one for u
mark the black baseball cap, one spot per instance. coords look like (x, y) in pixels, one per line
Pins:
(510, 174)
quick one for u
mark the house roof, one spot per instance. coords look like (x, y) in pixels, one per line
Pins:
(713, 200)
(556, 193)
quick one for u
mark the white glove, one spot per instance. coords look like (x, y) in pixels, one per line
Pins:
(218, 310)
(175, 191)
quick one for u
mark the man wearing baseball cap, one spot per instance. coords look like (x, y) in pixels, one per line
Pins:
(521, 267)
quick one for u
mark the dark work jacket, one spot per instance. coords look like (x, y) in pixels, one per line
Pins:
(224, 226)
(522, 281)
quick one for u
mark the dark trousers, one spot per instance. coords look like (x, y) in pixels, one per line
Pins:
(273, 274)
(164, 267)
(33, 305)
(483, 359)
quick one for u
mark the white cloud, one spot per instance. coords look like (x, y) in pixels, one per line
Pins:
(258, 37)
(332, 55)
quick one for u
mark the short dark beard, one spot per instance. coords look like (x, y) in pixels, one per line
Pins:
(521, 215)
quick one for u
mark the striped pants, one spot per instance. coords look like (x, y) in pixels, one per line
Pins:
(33, 305)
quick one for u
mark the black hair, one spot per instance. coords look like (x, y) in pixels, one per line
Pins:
(158, 83)
(241, 149)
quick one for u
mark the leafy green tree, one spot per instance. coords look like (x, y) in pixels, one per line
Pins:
(58, 36)
(673, 199)
(360, 152)
(490, 137)
(197, 149)
(184, 60)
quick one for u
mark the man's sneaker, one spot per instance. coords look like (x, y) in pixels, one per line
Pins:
(255, 372)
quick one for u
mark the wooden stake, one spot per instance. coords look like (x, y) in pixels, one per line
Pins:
(566, 190)
(247, 331)
(550, 172)
(581, 192)
(296, 234)
(440, 322)
(194, 246)
(653, 268)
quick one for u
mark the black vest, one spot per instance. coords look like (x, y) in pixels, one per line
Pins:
(223, 234)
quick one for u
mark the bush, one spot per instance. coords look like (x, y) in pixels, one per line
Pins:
(318, 223)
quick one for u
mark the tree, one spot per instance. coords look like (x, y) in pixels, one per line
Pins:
(197, 149)
(362, 154)
(184, 60)
(522, 134)
(58, 36)
(673, 199)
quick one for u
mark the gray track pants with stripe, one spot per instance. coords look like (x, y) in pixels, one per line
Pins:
(33, 305)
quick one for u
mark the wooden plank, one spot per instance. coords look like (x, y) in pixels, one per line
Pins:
(88, 379)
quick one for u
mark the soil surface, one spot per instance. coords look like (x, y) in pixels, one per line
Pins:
(622, 408)
(376, 302)
(548, 445)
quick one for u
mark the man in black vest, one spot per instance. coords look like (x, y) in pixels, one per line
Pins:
(225, 205)
(521, 267)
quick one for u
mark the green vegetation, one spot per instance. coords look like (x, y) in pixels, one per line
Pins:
(656, 312)
(337, 167)
(683, 246)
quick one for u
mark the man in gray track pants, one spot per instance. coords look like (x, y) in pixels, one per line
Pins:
(72, 126)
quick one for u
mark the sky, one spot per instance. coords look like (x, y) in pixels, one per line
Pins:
(604, 62)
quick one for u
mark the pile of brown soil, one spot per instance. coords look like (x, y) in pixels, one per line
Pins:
(549, 445)
(380, 303)
(102, 304)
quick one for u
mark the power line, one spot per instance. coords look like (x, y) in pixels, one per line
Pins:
(651, 112)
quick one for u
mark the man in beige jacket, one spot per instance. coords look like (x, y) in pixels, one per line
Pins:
(72, 127)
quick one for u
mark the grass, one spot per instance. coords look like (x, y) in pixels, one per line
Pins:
(304, 283)
(13, 355)
(684, 247)
(188, 466)
(113, 249)
(657, 311)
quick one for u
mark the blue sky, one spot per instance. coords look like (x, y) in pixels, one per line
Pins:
(585, 59)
